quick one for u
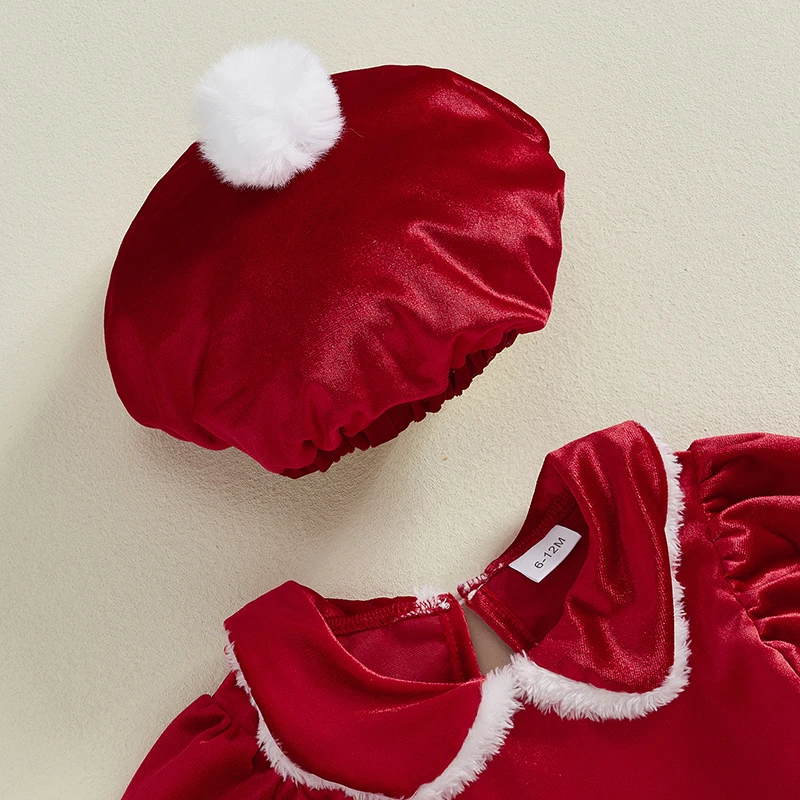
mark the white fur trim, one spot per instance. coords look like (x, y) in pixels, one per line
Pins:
(504, 688)
(267, 112)
(425, 594)
(493, 721)
(572, 699)
(430, 600)
(470, 587)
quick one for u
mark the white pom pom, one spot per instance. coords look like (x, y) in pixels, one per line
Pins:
(266, 113)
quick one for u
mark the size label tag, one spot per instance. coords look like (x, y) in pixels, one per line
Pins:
(538, 562)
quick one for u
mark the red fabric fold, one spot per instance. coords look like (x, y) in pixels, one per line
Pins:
(298, 325)
(397, 419)
(209, 751)
(605, 615)
(381, 695)
(750, 489)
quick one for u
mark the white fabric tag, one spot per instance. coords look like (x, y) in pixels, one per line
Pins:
(538, 562)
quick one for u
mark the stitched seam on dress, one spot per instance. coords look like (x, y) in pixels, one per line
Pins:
(354, 623)
(558, 511)
(712, 522)
(452, 646)
(510, 619)
(496, 612)
(340, 626)
(495, 609)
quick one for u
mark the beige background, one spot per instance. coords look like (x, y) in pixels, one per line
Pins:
(123, 550)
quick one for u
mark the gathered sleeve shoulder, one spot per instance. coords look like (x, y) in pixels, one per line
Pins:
(749, 487)
(209, 751)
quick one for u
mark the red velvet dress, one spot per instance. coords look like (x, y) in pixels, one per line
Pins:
(653, 602)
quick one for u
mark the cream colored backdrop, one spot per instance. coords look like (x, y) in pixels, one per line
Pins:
(123, 550)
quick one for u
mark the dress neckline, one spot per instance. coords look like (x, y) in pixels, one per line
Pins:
(607, 640)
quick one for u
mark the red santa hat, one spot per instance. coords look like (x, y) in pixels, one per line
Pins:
(333, 259)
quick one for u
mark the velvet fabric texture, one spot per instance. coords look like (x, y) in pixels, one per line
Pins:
(379, 699)
(299, 324)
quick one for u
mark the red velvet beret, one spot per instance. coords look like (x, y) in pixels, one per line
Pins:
(334, 259)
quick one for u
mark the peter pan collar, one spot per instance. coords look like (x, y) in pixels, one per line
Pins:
(619, 649)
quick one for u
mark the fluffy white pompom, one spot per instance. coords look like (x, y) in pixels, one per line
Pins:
(266, 113)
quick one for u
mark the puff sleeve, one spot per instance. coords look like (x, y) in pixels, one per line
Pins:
(209, 751)
(749, 487)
